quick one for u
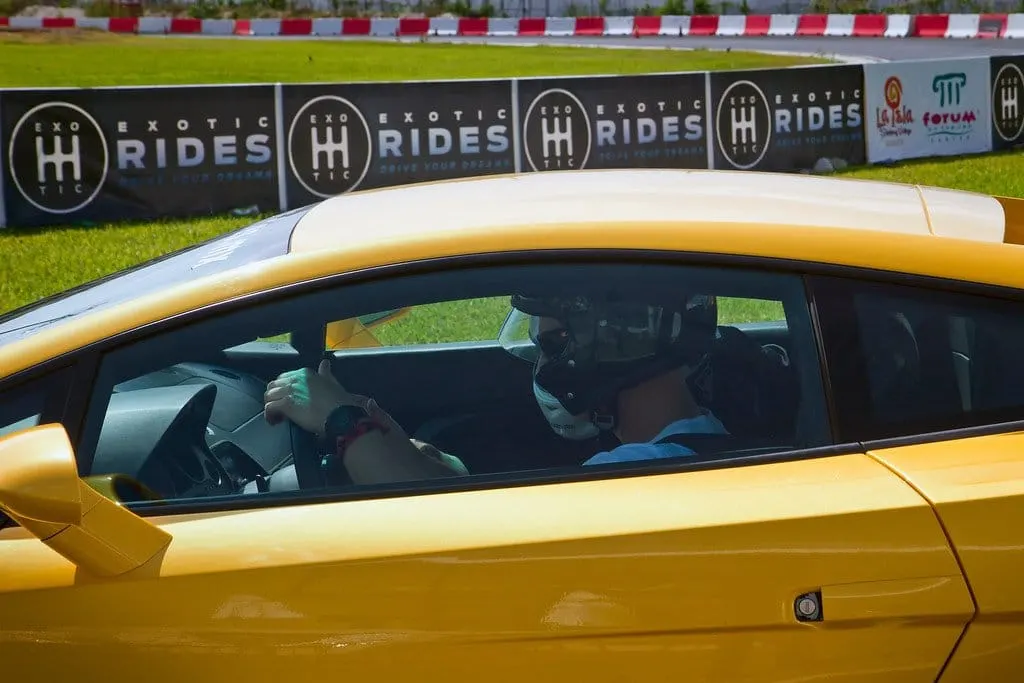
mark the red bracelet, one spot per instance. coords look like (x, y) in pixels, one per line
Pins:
(363, 426)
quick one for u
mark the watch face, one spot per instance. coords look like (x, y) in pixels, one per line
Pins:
(343, 418)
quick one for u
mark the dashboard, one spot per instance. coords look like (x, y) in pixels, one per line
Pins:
(194, 430)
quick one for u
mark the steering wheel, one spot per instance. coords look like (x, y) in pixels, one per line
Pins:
(309, 471)
(306, 457)
(308, 468)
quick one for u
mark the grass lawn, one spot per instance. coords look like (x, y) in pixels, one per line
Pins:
(999, 174)
(90, 59)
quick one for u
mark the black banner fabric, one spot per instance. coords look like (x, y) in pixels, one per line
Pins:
(788, 119)
(74, 156)
(96, 155)
(1007, 90)
(655, 121)
(339, 138)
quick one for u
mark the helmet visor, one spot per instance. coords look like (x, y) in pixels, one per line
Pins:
(516, 336)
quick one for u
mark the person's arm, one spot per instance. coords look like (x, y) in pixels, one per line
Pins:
(382, 455)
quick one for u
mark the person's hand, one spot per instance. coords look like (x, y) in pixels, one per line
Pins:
(306, 397)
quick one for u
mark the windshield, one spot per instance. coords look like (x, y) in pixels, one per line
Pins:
(257, 242)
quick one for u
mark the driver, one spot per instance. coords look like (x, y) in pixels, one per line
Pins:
(620, 367)
(604, 367)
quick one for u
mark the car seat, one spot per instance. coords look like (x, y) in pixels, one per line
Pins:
(752, 392)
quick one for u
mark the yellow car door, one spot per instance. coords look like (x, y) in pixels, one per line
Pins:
(977, 487)
(825, 566)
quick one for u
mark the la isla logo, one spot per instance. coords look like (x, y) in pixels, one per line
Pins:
(893, 121)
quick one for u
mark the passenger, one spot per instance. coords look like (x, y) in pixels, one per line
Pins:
(603, 367)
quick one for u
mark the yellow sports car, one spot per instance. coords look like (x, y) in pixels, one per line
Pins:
(573, 426)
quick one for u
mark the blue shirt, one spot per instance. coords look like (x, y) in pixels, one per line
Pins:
(706, 423)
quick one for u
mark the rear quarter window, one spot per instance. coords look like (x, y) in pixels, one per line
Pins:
(906, 360)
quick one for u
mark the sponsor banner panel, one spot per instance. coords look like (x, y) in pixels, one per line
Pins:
(655, 121)
(340, 138)
(787, 119)
(73, 156)
(930, 108)
(1007, 101)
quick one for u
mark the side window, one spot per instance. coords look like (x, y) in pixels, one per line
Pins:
(907, 360)
(686, 363)
(28, 404)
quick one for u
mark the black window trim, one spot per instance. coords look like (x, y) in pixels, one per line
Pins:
(806, 269)
(945, 435)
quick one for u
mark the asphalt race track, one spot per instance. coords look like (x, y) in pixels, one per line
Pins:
(851, 49)
(882, 49)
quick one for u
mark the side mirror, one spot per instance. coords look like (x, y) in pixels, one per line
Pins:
(39, 478)
(40, 489)
(356, 333)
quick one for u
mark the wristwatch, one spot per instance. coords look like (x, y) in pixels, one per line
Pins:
(344, 425)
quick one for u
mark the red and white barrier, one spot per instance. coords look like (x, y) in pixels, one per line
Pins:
(963, 26)
(810, 25)
(618, 26)
(897, 26)
(930, 25)
(870, 25)
(783, 25)
(1014, 26)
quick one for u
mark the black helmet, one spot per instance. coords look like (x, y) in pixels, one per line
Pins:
(606, 345)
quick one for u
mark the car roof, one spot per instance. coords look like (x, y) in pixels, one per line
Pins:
(863, 224)
(771, 200)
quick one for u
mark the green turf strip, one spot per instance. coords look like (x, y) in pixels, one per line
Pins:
(87, 59)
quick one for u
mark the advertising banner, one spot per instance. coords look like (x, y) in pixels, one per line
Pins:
(657, 121)
(1007, 101)
(72, 156)
(930, 108)
(339, 138)
(787, 119)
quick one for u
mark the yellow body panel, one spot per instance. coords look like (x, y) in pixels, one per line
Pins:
(977, 488)
(681, 576)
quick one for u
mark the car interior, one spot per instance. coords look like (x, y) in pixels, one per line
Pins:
(177, 413)
(196, 428)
